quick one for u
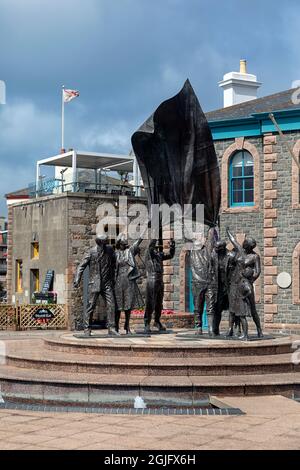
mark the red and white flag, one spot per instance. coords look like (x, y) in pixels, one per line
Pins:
(69, 95)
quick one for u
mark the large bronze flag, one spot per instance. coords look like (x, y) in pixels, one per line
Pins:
(177, 158)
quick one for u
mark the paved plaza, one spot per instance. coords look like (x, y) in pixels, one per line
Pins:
(270, 423)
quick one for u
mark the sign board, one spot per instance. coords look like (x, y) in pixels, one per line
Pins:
(43, 314)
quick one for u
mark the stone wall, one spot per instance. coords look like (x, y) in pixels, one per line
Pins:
(82, 227)
(42, 221)
(287, 224)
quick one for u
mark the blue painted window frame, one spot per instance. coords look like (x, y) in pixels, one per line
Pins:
(243, 177)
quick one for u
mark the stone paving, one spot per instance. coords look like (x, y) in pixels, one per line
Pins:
(269, 423)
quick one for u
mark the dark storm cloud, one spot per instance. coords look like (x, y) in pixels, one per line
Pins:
(125, 57)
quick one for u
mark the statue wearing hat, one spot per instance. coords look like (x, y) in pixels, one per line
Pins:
(101, 261)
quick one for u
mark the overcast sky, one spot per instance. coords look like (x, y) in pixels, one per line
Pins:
(125, 57)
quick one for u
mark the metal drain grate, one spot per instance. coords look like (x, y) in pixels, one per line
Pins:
(123, 410)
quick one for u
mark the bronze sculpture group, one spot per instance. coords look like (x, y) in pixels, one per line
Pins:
(224, 280)
(114, 274)
(179, 166)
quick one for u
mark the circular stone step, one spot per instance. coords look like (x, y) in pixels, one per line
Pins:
(169, 346)
(161, 369)
(53, 360)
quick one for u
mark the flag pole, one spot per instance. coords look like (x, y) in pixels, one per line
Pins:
(63, 119)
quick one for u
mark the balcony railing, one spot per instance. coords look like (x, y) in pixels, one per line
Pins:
(49, 187)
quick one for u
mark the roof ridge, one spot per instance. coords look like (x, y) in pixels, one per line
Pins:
(240, 109)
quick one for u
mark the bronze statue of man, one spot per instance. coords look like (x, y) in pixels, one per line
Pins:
(220, 270)
(200, 261)
(155, 284)
(101, 261)
(200, 267)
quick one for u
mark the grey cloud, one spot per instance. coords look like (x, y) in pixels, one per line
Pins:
(125, 57)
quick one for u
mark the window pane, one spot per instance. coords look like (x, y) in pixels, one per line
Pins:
(237, 159)
(237, 196)
(248, 170)
(249, 196)
(237, 164)
(19, 267)
(248, 183)
(237, 184)
(248, 164)
(237, 171)
(35, 250)
(248, 159)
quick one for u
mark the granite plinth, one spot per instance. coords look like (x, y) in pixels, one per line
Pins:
(108, 336)
(164, 369)
(193, 335)
(155, 332)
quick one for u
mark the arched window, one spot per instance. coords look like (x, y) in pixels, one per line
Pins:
(241, 179)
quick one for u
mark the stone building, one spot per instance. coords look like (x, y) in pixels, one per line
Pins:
(53, 233)
(51, 226)
(260, 194)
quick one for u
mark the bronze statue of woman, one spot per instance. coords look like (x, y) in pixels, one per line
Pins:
(241, 291)
(127, 293)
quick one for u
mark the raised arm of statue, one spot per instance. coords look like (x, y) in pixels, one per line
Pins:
(235, 243)
(135, 246)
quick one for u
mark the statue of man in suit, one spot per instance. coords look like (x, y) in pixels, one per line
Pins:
(155, 285)
(101, 261)
(203, 286)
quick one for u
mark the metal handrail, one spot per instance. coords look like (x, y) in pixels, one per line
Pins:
(88, 187)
